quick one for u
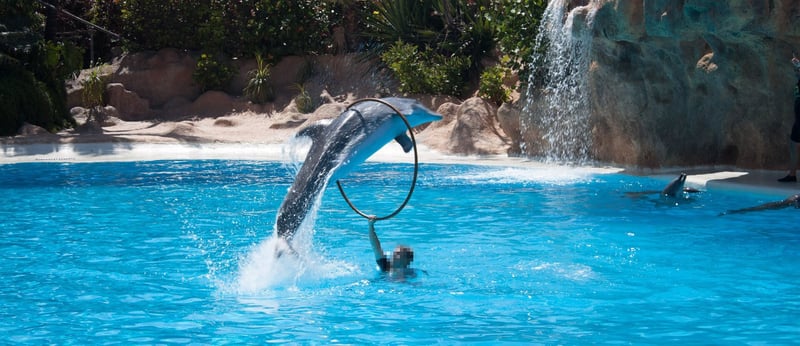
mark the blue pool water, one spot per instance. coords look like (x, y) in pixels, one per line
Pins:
(178, 252)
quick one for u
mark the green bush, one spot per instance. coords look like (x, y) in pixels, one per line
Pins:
(33, 70)
(93, 87)
(156, 24)
(516, 25)
(211, 73)
(259, 87)
(491, 84)
(304, 102)
(237, 28)
(23, 99)
(445, 27)
(426, 72)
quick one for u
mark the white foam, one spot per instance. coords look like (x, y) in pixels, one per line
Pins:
(263, 268)
(510, 175)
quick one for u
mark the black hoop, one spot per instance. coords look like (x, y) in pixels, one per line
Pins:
(416, 166)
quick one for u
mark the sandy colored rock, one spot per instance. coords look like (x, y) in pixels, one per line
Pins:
(676, 83)
(128, 104)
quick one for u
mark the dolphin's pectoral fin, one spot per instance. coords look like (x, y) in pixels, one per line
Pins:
(312, 131)
(405, 142)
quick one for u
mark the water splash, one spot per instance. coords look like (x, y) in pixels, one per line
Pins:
(272, 263)
(555, 118)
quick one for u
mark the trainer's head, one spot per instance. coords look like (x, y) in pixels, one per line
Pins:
(402, 257)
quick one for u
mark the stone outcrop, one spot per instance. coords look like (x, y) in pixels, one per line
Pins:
(693, 82)
(157, 76)
(128, 103)
(467, 128)
(149, 85)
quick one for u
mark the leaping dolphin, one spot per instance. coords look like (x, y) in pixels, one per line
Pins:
(341, 144)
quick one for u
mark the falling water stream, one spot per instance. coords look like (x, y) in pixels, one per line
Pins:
(555, 118)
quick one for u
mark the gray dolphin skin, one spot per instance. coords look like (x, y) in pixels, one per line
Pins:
(342, 144)
(791, 201)
(675, 186)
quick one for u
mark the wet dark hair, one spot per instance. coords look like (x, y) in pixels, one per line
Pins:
(407, 250)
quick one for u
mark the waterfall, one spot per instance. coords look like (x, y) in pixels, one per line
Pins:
(555, 117)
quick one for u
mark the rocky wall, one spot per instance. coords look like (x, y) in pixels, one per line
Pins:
(691, 82)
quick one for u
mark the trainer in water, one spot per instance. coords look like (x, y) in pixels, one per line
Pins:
(396, 265)
(340, 145)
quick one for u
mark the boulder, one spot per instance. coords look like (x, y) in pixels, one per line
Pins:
(211, 103)
(127, 103)
(467, 128)
(29, 130)
(157, 76)
(475, 131)
(508, 120)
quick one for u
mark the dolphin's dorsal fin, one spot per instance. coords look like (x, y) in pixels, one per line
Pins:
(405, 142)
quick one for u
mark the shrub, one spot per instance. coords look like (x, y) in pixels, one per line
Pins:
(93, 87)
(445, 27)
(259, 86)
(491, 84)
(516, 25)
(92, 96)
(211, 73)
(426, 72)
(33, 71)
(156, 24)
(22, 97)
(303, 100)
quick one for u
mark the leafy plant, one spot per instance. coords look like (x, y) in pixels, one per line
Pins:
(93, 87)
(491, 84)
(33, 70)
(211, 73)
(516, 25)
(303, 100)
(259, 87)
(426, 72)
(22, 97)
(446, 26)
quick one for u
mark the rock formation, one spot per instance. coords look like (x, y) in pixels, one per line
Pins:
(154, 86)
(692, 82)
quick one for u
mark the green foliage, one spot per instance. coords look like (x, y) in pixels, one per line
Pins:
(22, 98)
(93, 87)
(20, 26)
(33, 71)
(304, 102)
(491, 84)
(516, 24)
(426, 72)
(259, 87)
(449, 27)
(156, 24)
(211, 73)
(237, 28)
(411, 21)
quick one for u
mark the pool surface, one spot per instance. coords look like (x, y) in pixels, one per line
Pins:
(179, 252)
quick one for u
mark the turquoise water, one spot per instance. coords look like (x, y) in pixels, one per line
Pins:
(179, 252)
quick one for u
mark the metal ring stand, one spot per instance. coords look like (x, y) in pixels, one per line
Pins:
(416, 166)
